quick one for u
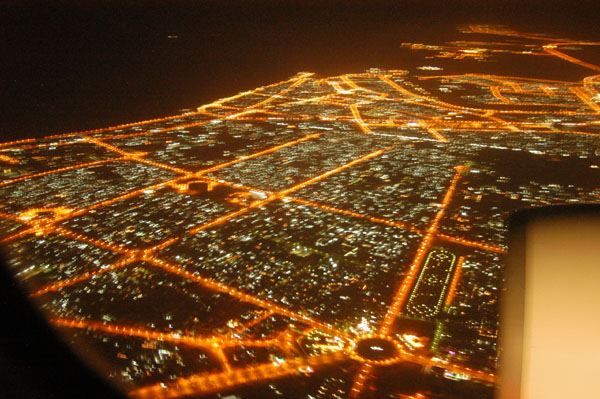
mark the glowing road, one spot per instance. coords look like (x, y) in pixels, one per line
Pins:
(318, 225)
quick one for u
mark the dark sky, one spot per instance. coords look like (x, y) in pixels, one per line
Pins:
(76, 65)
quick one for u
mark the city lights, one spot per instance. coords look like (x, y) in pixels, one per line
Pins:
(319, 233)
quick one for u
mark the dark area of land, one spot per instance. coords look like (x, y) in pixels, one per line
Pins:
(70, 66)
(34, 362)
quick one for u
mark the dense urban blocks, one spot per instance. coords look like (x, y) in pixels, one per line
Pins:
(310, 238)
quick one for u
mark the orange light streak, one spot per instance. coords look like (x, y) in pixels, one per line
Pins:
(404, 226)
(110, 147)
(454, 282)
(135, 156)
(502, 122)
(495, 90)
(297, 83)
(516, 88)
(65, 283)
(415, 266)
(83, 238)
(221, 101)
(407, 283)
(347, 79)
(163, 130)
(123, 126)
(350, 164)
(474, 244)
(435, 133)
(252, 323)
(134, 193)
(490, 30)
(586, 98)
(447, 198)
(255, 107)
(249, 298)
(338, 87)
(216, 349)
(359, 381)
(43, 226)
(213, 342)
(359, 121)
(205, 384)
(76, 140)
(216, 181)
(548, 90)
(10, 217)
(127, 195)
(258, 154)
(436, 103)
(16, 142)
(18, 234)
(474, 374)
(161, 245)
(9, 160)
(402, 90)
(502, 80)
(66, 168)
(552, 49)
(321, 99)
(590, 84)
(231, 215)
(199, 111)
(521, 112)
(33, 213)
(283, 193)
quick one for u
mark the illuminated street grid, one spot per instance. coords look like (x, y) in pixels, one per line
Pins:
(337, 237)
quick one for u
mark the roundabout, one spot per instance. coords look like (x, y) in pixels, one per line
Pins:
(376, 349)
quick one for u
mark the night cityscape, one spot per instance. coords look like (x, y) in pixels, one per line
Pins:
(318, 237)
